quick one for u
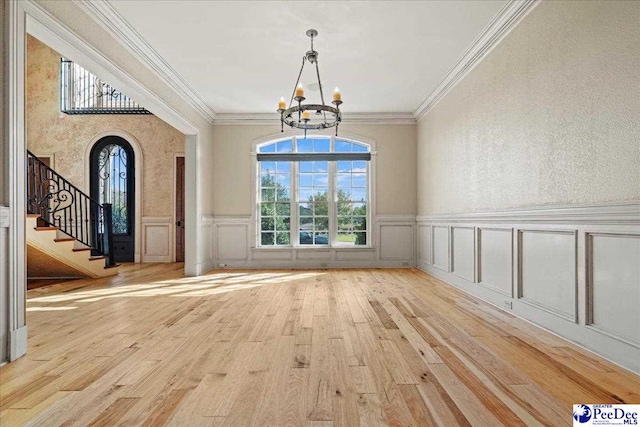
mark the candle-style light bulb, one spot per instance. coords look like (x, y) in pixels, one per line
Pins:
(306, 115)
(282, 104)
(337, 96)
(299, 90)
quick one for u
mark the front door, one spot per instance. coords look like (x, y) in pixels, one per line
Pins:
(113, 181)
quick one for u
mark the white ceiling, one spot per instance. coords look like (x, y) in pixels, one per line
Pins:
(240, 57)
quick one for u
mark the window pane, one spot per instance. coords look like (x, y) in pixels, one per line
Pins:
(344, 223)
(305, 194)
(282, 209)
(305, 166)
(343, 180)
(343, 146)
(267, 224)
(282, 194)
(321, 208)
(344, 166)
(359, 208)
(359, 180)
(321, 145)
(359, 166)
(346, 237)
(306, 238)
(284, 179)
(320, 166)
(284, 146)
(321, 239)
(306, 209)
(322, 224)
(359, 148)
(306, 223)
(282, 223)
(266, 239)
(360, 223)
(306, 180)
(358, 194)
(361, 238)
(282, 239)
(344, 208)
(267, 167)
(267, 209)
(269, 148)
(320, 180)
(283, 167)
(268, 194)
(305, 145)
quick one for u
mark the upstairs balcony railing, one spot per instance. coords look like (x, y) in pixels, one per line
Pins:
(61, 204)
(82, 92)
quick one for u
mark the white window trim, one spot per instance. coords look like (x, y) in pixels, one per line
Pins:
(255, 188)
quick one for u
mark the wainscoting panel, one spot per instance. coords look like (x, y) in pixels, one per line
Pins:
(396, 242)
(231, 241)
(440, 247)
(424, 244)
(495, 259)
(463, 258)
(548, 271)
(614, 285)
(157, 239)
(574, 270)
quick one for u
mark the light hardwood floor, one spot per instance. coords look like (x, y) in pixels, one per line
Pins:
(299, 348)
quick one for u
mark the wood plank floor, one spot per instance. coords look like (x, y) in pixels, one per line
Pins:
(291, 348)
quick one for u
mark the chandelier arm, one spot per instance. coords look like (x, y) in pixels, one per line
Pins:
(321, 91)
(304, 59)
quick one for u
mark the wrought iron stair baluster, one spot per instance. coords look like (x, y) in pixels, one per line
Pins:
(61, 204)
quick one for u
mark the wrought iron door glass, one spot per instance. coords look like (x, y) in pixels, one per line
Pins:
(113, 185)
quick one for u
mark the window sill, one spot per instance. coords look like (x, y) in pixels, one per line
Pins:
(311, 249)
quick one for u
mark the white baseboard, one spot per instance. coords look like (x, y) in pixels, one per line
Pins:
(18, 343)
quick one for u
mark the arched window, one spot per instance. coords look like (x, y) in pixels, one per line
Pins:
(113, 181)
(313, 191)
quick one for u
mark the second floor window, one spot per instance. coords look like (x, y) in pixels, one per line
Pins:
(313, 192)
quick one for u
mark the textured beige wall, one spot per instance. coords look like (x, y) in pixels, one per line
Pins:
(67, 136)
(395, 163)
(550, 116)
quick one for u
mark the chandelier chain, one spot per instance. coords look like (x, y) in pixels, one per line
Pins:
(304, 58)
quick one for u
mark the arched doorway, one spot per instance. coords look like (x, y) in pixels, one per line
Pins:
(112, 180)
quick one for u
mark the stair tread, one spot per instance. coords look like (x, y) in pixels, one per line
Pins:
(81, 249)
(97, 257)
(45, 228)
(65, 239)
(33, 215)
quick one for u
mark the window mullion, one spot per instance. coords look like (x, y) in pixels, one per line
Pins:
(332, 204)
(293, 206)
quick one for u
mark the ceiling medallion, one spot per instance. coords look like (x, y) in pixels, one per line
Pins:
(299, 116)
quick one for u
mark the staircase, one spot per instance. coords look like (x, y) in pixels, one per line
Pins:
(69, 235)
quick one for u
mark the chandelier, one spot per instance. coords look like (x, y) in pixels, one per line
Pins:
(299, 115)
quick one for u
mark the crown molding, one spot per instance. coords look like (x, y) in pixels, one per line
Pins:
(349, 118)
(105, 15)
(508, 17)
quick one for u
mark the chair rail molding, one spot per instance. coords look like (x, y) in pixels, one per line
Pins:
(5, 217)
(105, 15)
(507, 19)
(571, 269)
